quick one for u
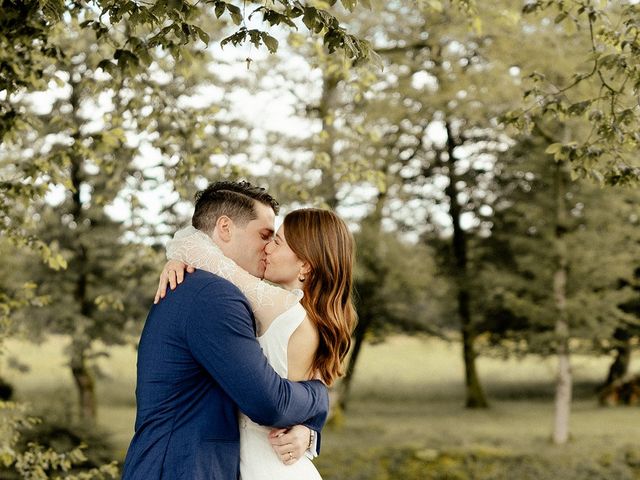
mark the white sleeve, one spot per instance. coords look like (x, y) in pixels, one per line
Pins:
(196, 248)
(312, 451)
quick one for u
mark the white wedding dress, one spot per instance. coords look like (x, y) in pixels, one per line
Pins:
(281, 311)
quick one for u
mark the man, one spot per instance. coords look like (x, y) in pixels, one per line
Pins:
(199, 360)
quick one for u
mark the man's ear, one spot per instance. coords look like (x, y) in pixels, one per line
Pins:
(224, 228)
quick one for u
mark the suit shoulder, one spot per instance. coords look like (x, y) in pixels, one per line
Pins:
(202, 278)
(209, 284)
(215, 297)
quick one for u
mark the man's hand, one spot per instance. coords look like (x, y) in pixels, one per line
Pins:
(290, 444)
(173, 274)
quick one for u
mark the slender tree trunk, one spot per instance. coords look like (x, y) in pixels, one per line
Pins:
(563, 379)
(80, 344)
(85, 383)
(358, 338)
(326, 111)
(475, 397)
(365, 320)
(620, 366)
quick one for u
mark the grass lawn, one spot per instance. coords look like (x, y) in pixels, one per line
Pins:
(407, 394)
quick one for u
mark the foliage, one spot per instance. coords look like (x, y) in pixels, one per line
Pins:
(82, 145)
(601, 93)
(516, 262)
(397, 288)
(128, 36)
(36, 462)
(28, 49)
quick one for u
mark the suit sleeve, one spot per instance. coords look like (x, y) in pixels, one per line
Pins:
(220, 335)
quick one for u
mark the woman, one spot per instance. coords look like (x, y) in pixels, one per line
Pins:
(304, 325)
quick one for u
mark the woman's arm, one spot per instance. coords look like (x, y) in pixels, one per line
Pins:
(195, 248)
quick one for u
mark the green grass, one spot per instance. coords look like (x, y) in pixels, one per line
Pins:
(407, 394)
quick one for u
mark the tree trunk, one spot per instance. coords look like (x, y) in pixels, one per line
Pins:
(85, 383)
(358, 339)
(475, 397)
(326, 111)
(563, 379)
(620, 365)
(80, 344)
(366, 316)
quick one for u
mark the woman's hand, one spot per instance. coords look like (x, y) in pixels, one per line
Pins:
(173, 274)
(290, 444)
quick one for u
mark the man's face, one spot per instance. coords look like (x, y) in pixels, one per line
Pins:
(248, 242)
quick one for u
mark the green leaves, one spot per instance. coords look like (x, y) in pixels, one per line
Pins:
(553, 148)
(37, 462)
(310, 19)
(349, 4)
(531, 6)
(273, 17)
(53, 9)
(270, 42)
(219, 8)
(110, 301)
(236, 39)
(108, 67)
(234, 11)
(607, 89)
(256, 37)
(25, 295)
(204, 36)
(236, 14)
(579, 108)
(128, 62)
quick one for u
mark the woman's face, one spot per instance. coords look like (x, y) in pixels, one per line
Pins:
(283, 266)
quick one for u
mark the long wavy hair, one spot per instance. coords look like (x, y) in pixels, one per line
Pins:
(322, 239)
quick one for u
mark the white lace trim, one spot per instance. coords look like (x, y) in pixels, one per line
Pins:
(196, 248)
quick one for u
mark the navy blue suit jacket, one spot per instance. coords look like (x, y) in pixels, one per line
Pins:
(198, 362)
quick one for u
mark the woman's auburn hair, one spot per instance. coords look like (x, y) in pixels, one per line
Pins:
(322, 239)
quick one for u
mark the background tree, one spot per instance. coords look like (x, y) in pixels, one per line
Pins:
(445, 91)
(99, 131)
(521, 263)
(397, 291)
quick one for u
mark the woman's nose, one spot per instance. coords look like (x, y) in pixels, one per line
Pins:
(268, 247)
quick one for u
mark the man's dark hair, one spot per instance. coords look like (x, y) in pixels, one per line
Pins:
(233, 199)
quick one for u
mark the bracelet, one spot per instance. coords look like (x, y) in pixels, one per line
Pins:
(312, 437)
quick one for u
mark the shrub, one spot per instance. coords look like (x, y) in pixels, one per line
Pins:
(29, 450)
